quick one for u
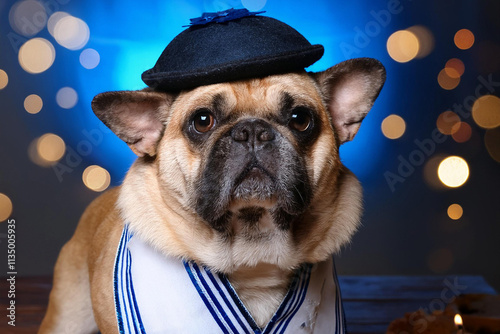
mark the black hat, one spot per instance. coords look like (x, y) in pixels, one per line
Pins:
(224, 48)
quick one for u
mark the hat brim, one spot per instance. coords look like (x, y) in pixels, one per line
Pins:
(232, 71)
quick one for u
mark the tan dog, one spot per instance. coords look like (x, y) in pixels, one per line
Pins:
(243, 177)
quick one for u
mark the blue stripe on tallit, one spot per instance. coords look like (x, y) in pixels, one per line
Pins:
(128, 315)
(284, 305)
(134, 307)
(281, 316)
(222, 313)
(116, 278)
(129, 293)
(220, 289)
(203, 296)
(339, 307)
(302, 296)
(123, 285)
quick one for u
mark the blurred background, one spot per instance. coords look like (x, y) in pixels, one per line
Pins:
(428, 154)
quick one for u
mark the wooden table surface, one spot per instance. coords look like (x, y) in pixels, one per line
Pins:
(370, 302)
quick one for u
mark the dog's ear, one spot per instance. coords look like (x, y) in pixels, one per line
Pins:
(136, 117)
(349, 90)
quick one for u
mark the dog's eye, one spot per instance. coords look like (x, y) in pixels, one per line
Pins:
(203, 121)
(300, 119)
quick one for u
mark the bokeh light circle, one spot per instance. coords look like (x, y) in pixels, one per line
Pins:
(393, 126)
(28, 17)
(455, 211)
(5, 207)
(453, 171)
(253, 5)
(53, 19)
(96, 178)
(89, 58)
(486, 111)
(448, 122)
(50, 147)
(36, 55)
(402, 46)
(33, 104)
(71, 32)
(4, 79)
(454, 68)
(463, 132)
(425, 40)
(447, 82)
(66, 97)
(464, 39)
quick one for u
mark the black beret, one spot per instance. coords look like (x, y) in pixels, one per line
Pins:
(241, 48)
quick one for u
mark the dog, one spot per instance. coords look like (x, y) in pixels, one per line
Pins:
(238, 180)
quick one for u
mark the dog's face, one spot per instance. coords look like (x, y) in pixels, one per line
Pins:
(255, 161)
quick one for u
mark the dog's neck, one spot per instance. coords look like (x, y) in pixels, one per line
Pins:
(261, 289)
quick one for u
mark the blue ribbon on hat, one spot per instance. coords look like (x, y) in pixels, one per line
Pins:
(223, 16)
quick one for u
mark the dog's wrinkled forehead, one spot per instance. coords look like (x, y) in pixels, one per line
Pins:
(262, 98)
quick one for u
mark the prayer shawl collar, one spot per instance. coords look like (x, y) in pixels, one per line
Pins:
(155, 294)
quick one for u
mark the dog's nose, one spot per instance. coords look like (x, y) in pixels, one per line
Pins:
(254, 132)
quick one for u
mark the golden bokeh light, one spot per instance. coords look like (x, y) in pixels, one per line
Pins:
(440, 260)
(33, 104)
(448, 122)
(89, 58)
(5, 207)
(464, 39)
(463, 132)
(66, 97)
(96, 178)
(447, 82)
(28, 17)
(425, 40)
(486, 111)
(454, 68)
(50, 148)
(403, 46)
(4, 79)
(36, 55)
(492, 142)
(393, 126)
(455, 211)
(71, 32)
(453, 171)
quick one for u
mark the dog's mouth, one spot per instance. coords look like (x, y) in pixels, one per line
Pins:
(274, 179)
(254, 183)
